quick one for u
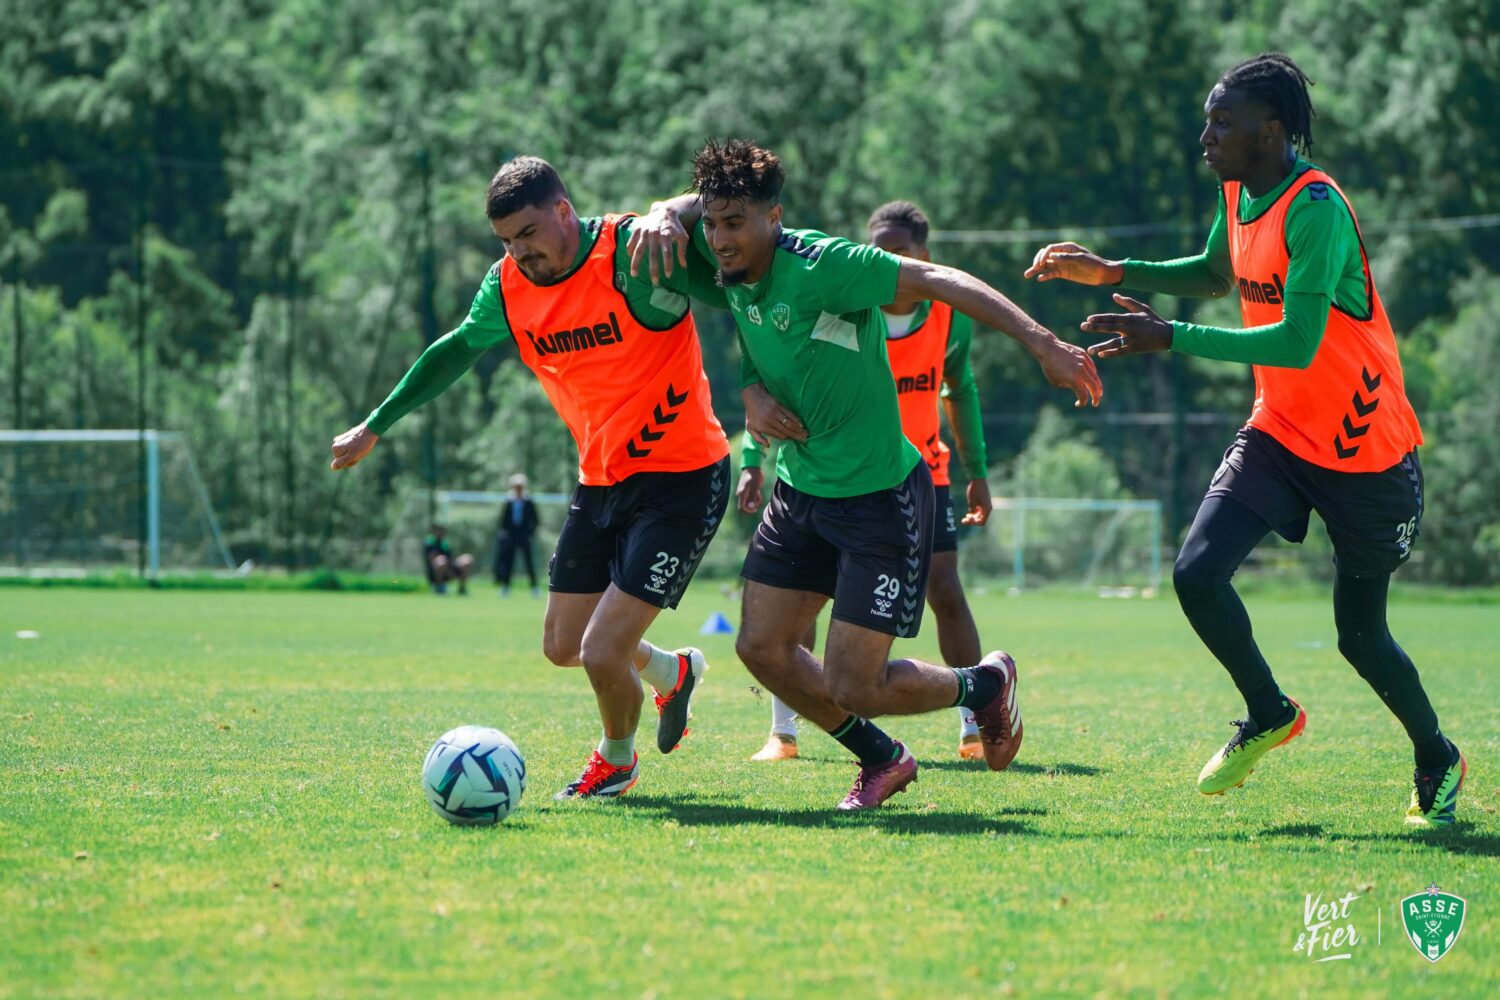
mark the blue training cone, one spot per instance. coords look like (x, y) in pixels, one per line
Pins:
(716, 624)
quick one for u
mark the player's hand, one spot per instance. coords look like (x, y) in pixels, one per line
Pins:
(1139, 331)
(658, 239)
(980, 505)
(1071, 262)
(747, 494)
(766, 419)
(1069, 367)
(352, 445)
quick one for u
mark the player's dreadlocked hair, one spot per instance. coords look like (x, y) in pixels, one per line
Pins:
(524, 182)
(736, 168)
(904, 214)
(1277, 82)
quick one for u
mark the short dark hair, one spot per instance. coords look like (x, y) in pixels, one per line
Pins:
(524, 182)
(904, 214)
(1275, 81)
(736, 168)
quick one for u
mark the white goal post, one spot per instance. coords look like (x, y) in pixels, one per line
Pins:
(75, 500)
(1111, 546)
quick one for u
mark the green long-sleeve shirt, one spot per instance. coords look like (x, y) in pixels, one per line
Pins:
(447, 358)
(960, 391)
(1325, 268)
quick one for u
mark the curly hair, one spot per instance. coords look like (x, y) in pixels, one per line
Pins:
(903, 214)
(1275, 81)
(737, 168)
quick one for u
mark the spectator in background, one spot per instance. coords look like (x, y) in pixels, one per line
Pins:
(515, 532)
(443, 565)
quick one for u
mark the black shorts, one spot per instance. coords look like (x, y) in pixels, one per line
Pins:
(1373, 518)
(869, 552)
(944, 524)
(646, 534)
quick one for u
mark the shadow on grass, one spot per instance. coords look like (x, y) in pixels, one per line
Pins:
(695, 810)
(1462, 838)
(1020, 767)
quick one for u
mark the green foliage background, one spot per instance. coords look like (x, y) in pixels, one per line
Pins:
(263, 181)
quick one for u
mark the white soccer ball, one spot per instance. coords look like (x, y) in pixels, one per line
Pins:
(474, 776)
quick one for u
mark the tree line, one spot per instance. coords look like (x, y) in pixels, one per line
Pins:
(269, 206)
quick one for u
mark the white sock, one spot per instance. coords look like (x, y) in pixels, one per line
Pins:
(783, 719)
(966, 724)
(618, 752)
(661, 670)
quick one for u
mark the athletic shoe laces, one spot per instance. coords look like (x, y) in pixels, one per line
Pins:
(1247, 731)
(1427, 787)
(595, 774)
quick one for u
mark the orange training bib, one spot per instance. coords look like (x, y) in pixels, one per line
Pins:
(917, 363)
(1347, 410)
(636, 399)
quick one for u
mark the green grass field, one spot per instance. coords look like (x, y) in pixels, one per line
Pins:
(204, 794)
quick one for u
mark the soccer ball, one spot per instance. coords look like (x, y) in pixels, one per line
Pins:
(474, 776)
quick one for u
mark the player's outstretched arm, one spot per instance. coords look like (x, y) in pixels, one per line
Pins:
(1071, 262)
(352, 446)
(1065, 366)
(1139, 331)
(660, 237)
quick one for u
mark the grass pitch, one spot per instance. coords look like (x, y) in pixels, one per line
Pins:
(208, 794)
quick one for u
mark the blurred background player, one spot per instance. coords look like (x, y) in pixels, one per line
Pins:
(928, 344)
(850, 518)
(619, 359)
(442, 565)
(782, 743)
(1331, 429)
(514, 534)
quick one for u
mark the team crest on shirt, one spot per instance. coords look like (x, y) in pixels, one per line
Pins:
(781, 315)
(753, 312)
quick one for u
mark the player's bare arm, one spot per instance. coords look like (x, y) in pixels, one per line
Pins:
(765, 418)
(353, 445)
(1065, 366)
(1139, 331)
(747, 495)
(660, 237)
(1071, 262)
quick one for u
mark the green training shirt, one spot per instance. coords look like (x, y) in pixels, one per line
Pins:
(959, 389)
(1325, 268)
(656, 306)
(811, 331)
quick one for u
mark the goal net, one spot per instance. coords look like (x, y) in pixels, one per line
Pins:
(1111, 547)
(79, 500)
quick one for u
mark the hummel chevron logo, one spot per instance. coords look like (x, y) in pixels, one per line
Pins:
(660, 418)
(1361, 409)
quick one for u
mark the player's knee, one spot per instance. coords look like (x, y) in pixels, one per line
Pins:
(753, 650)
(1361, 647)
(853, 697)
(945, 595)
(1194, 576)
(561, 651)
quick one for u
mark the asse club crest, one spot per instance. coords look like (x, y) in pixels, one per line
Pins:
(1433, 919)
